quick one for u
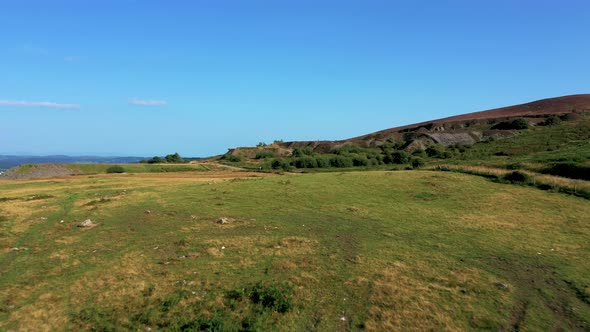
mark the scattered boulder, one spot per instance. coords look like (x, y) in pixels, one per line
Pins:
(86, 224)
(222, 221)
(148, 212)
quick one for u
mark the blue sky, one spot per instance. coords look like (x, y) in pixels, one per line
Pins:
(197, 77)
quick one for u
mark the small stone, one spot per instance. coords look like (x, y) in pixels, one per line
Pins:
(501, 285)
(15, 249)
(343, 319)
(223, 247)
(222, 221)
(87, 223)
(61, 221)
(148, 212)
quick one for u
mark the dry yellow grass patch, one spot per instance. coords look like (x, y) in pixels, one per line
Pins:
(67, 240)
(45, 314)
(123, 280)
(215, 252)
(22, 213)
(284, 265)
(60, 254)
(295, 245)
(402, 300)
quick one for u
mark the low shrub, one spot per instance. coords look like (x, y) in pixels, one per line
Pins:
(305, 162)
(340, 161)
(516, 124)
(359, 160)
(322, 161)
(280, 164)
(115, 169)
(551, 121)
(419, 153)
(232, 158)
(300, 152)
(399, 157)
(265, 154)
(516, 177)
(417, 162)
(274, 296)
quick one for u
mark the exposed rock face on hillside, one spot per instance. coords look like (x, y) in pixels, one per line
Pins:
(466, 129)
(25, 172)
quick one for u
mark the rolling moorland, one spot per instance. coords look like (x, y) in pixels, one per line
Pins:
(475, 222)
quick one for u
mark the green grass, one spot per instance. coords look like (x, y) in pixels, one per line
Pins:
(569, 141)
(138, 168)
(406, 250)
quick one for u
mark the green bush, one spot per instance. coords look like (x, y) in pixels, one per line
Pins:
(400, 157)
(359, 160)
(280, 164)
(115, 169)
(419, 153)
(417, 162)
(174, 158)
(265, 154)
(305, 162)
(232, 158)
(322, 161)
(340, 161)
(551, 121)
(516, 124)
(516, 177)
(300, 152)
(156, 160)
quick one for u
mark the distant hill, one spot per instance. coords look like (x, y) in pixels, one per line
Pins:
(539, 108)
(463, 129)
(12, 161)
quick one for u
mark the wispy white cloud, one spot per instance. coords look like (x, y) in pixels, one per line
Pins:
(71, 58)
(24, 103)
(143, 102)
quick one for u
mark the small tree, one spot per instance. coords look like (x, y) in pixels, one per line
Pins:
(156, 160)
(400, 157)
(551, 121)
(174, 158)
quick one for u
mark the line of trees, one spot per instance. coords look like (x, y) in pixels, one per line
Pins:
(356, 156)
(168, 159)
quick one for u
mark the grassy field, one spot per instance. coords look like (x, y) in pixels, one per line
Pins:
(403, 250)
(138, 168)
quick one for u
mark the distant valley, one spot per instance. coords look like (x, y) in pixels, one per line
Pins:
(7, 161)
